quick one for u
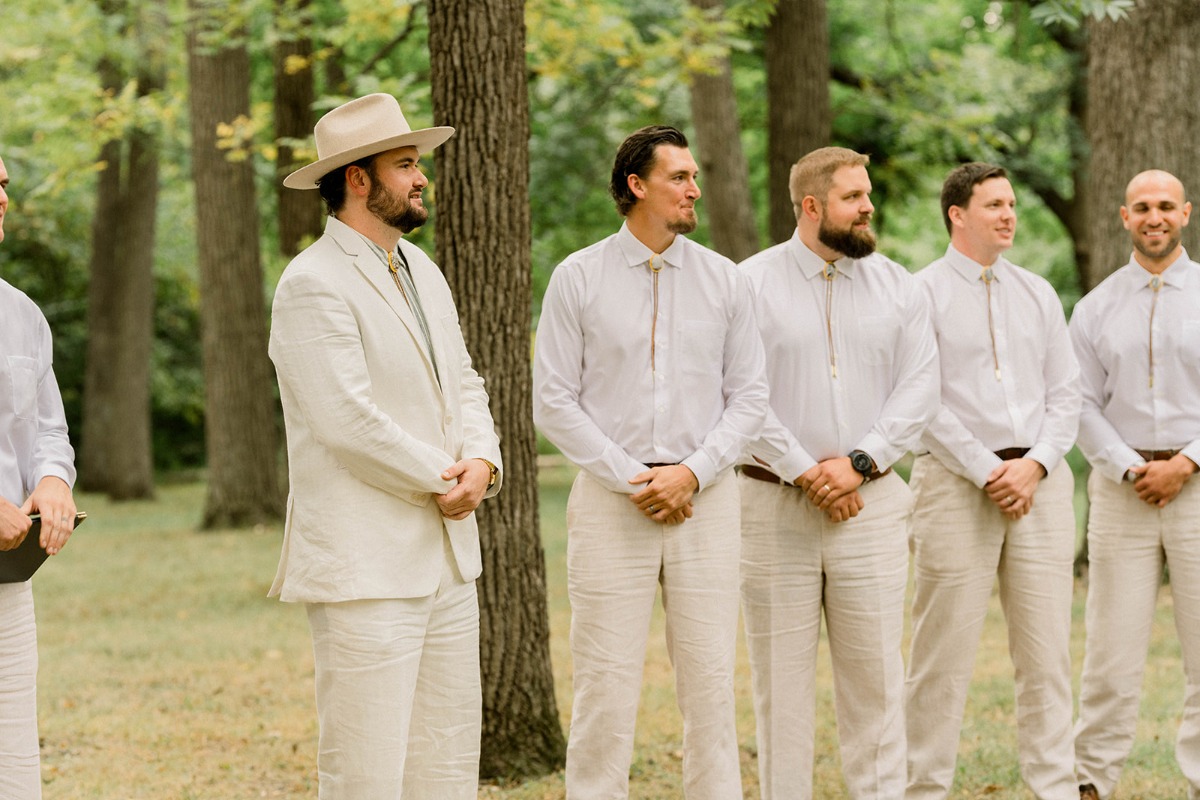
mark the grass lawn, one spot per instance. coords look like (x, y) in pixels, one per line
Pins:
(166, 673)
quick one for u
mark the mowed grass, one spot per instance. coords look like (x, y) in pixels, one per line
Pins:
(167, 673)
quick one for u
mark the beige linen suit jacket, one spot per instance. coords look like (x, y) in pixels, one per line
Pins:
(369, 426)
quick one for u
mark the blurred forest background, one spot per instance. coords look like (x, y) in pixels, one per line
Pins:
(146, 141)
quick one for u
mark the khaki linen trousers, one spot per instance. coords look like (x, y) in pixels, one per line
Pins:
(796, 563)
(20, 766)
(961, 544)
(398, 694)
(616, 561)
(1128, 542)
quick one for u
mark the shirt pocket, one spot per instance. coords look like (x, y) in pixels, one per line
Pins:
(876, 338)
(22, 376)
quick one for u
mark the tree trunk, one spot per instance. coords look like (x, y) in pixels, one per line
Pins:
(723, 169)
(477, 52)
(1143, 88)
(299, 212)
(116, 455)
(799, 119)
(240, 422)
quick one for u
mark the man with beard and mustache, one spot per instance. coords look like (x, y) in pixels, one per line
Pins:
(648, 374)
(391, 447)
(1137, 337)
(853, 376)
(1009, 413)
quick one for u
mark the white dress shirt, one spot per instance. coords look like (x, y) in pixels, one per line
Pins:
(1111, 333)
(597, 395)
(1033, 402)
(33, 428)
(886, 388)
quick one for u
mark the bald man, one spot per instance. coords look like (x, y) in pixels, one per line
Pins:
(1137, 338)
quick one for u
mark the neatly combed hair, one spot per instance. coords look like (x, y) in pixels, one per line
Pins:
(961, 183)
(813, 174)
(332, 184)
(636, 157)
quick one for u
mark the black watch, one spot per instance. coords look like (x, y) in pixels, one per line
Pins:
(863, 464)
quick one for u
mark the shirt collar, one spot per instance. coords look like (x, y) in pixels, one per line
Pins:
(1176, 275)
(812, 265)
(636, 254)
(969, 269)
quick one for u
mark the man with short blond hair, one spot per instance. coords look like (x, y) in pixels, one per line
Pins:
(1009, 412)
(1137, 336)
(853, 377)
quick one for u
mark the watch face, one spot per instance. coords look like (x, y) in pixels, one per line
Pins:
(861, 462)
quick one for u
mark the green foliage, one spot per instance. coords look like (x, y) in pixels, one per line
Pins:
(1071, 13)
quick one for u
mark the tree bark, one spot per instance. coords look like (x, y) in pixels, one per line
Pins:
(723, 169)
(299, 212)
(1143, 88)
(799, 118)
(240, 421)
(116, 453)
(477, 54)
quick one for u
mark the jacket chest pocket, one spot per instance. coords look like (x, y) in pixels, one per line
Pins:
(22, 377)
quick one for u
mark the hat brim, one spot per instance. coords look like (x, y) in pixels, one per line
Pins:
(424, 140)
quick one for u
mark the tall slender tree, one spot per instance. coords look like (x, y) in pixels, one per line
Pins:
(799, 118)
(299, 212)
(477, 57)
(116, 451)
(241, 438)
(722, 160)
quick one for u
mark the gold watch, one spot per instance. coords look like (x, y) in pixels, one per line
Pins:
(494, 472)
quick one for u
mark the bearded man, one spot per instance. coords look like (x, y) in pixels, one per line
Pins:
(391, 448)
(854, 379)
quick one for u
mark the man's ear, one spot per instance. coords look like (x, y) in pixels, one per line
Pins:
(634, 182)
(358, 180)
(810, 208)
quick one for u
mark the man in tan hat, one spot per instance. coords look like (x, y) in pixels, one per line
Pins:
(391, 448)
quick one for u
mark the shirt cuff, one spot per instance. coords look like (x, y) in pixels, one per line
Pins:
(702, 467)
(1044, 455)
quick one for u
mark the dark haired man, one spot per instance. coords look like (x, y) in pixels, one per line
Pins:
(1009, 412)
(1137, 336)
(648, 374)
(853, 380)
(36, 474)
(391, 447)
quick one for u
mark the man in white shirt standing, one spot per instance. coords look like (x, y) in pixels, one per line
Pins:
(1137, 336)
(994, 497)
(648, 374)
(36, 474)
(853, 373)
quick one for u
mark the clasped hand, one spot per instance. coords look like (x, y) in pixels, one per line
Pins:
(832, 486)
(667, 495)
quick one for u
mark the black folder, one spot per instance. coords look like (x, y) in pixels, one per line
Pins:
(19, 564)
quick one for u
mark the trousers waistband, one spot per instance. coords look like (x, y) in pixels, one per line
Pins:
(1157, 455)
(760, 474)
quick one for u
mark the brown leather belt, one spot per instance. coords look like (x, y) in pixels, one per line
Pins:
(668, 464)
(760, 474)
(1009, 453)
(1157, 455)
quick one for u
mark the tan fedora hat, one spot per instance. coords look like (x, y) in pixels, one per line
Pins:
(363, 127)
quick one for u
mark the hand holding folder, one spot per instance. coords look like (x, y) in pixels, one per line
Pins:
(19, 564)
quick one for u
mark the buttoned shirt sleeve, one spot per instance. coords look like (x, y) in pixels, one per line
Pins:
(1099, 440)
(34, 443)
(744, 386)
(558, 381)
(915, 396)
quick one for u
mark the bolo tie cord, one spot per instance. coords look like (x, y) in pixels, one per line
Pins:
(654, 270)
(987, 276)
(830, 274)
(1156, 285)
